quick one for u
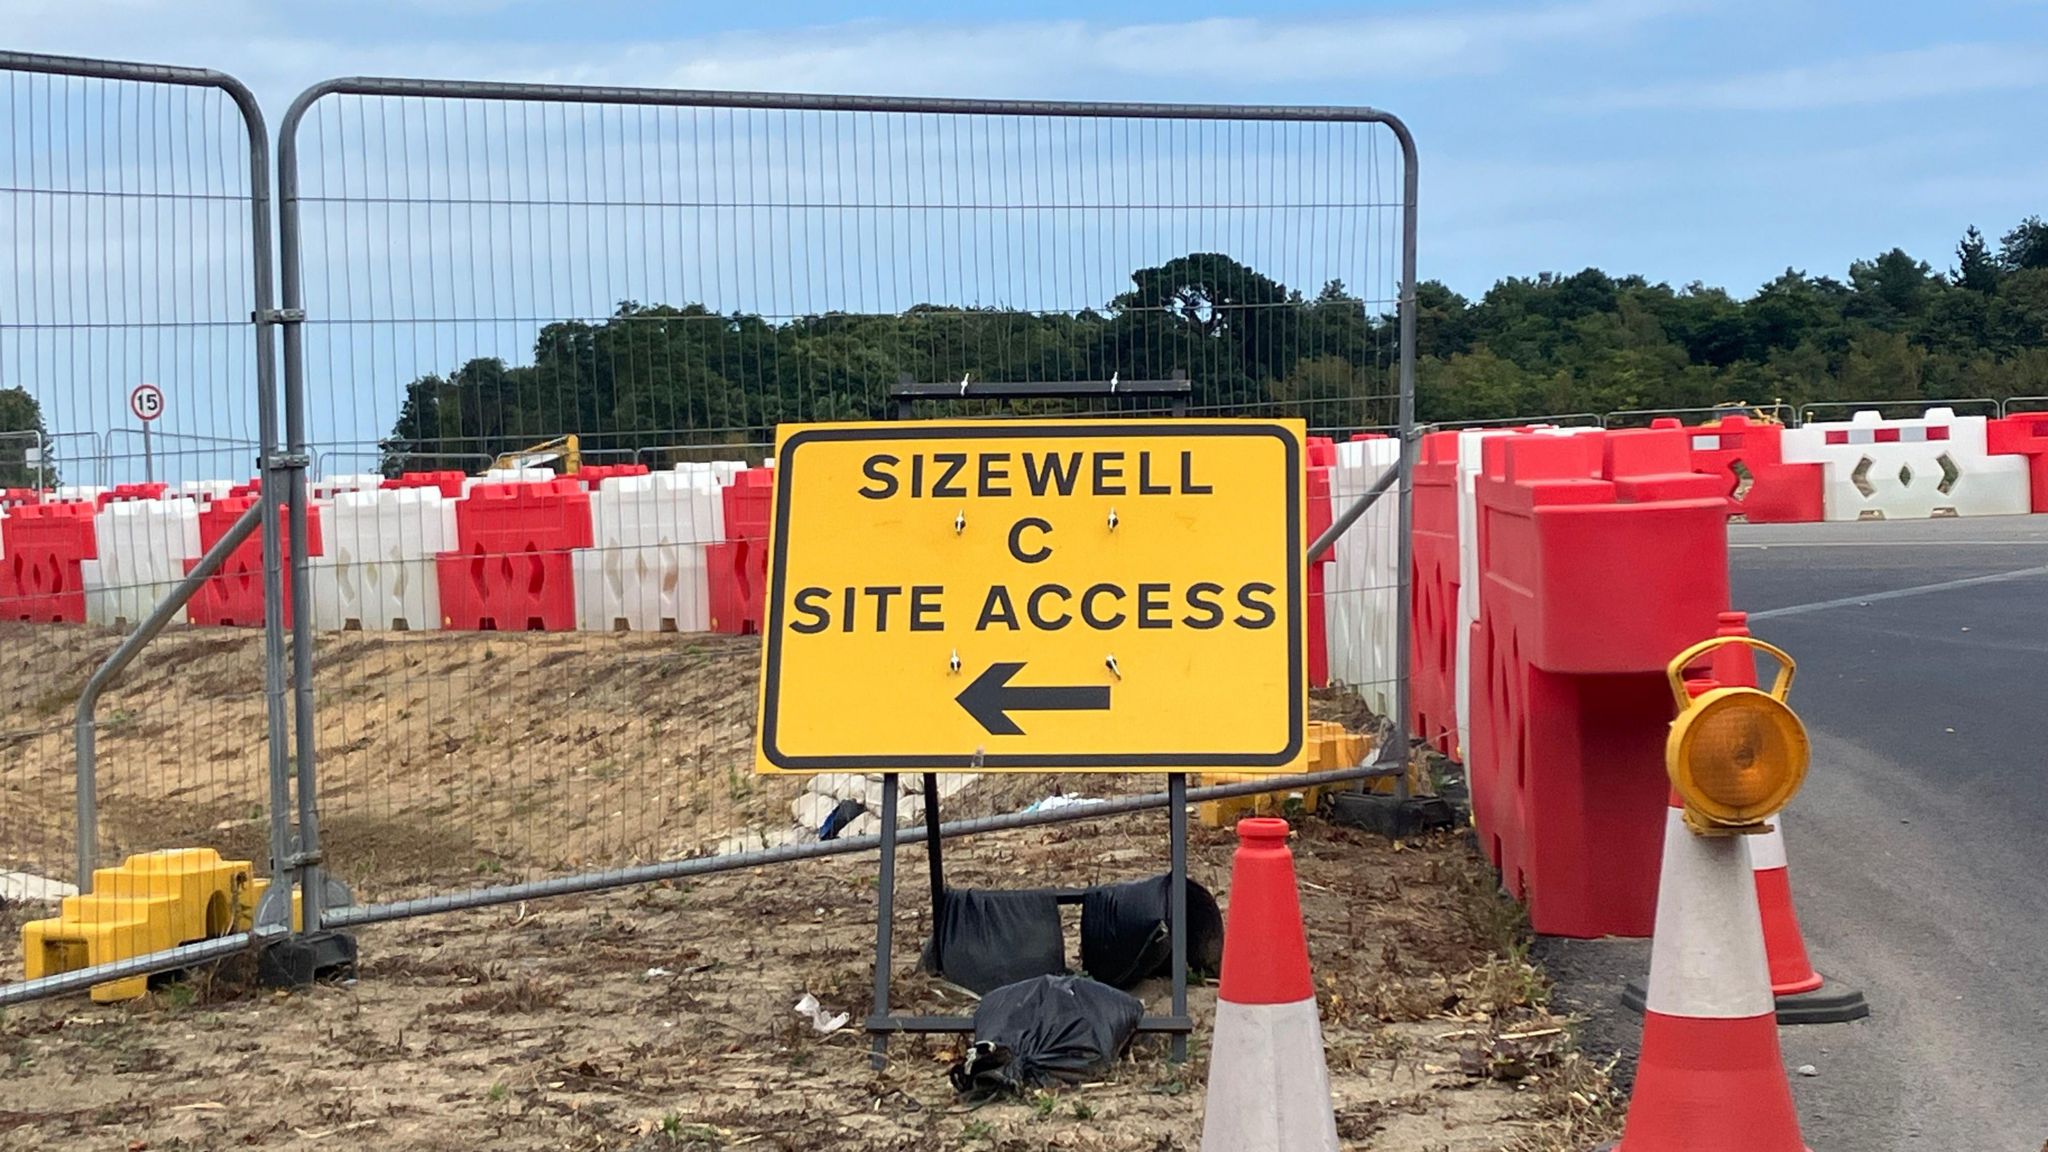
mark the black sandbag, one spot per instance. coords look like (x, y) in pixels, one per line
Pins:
(1049, 1030)
(997, 938)
(842, 814)
(1125, 935)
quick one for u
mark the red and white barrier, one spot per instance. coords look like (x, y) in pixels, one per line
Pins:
(662, 557)
(648, 570)
(1361, 587)
(1471, 462)
(2024, 435)
(378, 573)
(1938, 464)
(143, 549)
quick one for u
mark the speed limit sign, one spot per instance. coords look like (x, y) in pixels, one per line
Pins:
(147, 402)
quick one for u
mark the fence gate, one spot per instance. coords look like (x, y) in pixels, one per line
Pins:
(472, 271)
(135, 218)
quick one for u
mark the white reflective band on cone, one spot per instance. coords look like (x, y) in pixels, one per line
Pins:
(1768, 850)
(1269, 1090)
(1707, 957)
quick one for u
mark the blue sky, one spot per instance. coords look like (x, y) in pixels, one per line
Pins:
(1684, 139)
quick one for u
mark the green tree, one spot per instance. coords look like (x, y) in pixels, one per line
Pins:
(1976, 268)
(23, 459)
(2026, 246)
(1891, 290)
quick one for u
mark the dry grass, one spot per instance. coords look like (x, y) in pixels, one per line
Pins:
(659, 1018)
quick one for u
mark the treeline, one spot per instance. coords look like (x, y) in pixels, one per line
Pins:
(1893, 328)
(657, 375)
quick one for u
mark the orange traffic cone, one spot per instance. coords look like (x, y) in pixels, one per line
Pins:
(1269, 1089)
(1710, 1077)
(1803, 995)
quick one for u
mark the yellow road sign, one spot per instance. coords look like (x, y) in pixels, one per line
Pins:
(1035, 596)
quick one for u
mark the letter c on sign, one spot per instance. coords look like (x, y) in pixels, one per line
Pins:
(1017, 536)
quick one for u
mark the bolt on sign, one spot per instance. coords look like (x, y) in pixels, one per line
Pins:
(1122, 595)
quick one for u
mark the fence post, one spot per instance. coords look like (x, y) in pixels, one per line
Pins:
(1404, 600)
(148, 78)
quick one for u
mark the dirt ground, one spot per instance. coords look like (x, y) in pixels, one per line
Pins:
(441, 755)
(649, 1019)
(662, 1017)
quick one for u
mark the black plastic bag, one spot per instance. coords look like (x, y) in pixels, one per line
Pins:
(989, 939)
(1054, 1029)
(1125, 935)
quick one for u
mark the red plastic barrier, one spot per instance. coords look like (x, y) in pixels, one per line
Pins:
(128, 492)
(1433, 667)
(593, 475)
(1322, 452)
(1320, 515)
(450, 483)
(2024, 434)
(513, 572)
(1776, 492)
(16, 497)
(233, 596)
(41, 577)
(1601, 556)
(739, 565)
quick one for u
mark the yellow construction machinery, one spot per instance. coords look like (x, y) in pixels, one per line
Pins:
(564, 448)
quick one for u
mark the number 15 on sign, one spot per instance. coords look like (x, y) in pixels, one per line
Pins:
(1035, 596)
(147, 403)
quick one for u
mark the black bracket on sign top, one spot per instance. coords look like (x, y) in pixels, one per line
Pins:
(1176, 387)
(881, 1022)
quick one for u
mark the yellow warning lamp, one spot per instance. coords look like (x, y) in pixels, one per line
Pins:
(1736, 755)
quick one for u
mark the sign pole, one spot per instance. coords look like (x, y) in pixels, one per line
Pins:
(146, 401)
(885, 914)
(1177, 903)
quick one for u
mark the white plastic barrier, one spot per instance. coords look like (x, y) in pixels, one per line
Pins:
(378, 571)
(143, 546)
(203, 490)
(720, 471)
(1936, 465)
(1361, 585)
(509, 476)
(334, 486)
(649, 571)
(78, 493)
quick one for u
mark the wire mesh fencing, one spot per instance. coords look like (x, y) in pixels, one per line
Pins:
(488, 271)
(130, 209)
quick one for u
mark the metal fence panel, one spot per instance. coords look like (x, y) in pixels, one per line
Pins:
(668, 275)
(133, 211)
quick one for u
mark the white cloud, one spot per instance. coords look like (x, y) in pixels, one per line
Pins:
(1880, 78)
(1234, 58)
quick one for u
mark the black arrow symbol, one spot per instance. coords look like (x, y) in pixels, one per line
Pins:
(990, 699)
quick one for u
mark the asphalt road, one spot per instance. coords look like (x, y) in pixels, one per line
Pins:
(1919, 847)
